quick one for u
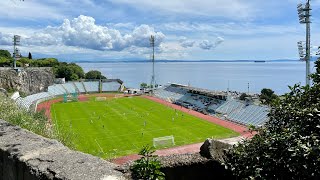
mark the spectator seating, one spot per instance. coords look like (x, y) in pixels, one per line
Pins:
(80, 87)
(110, 86)
(27, 101)
(92, 86)
(56, 90)
(229, 106)
(70, 87)
(250, 115)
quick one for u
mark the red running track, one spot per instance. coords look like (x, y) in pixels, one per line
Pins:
(192, 148)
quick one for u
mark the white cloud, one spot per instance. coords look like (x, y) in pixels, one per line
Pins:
(12, 9)
(235, 9)
(85, 33)
(184, 42)
(207, 45)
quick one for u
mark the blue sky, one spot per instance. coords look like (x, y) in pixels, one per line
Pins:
(184, 29)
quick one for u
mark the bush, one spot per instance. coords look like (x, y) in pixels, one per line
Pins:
(35, 122)
(93, 74)
(288, 146)
(148, 167)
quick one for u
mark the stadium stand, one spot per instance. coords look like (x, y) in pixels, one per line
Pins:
(80, 87)
(214, 104)
(27, 101)
(92, 86)
(70, 88)
(56, 90)
(67, 88)
(229, 106)
(111, 86)
(249, 115)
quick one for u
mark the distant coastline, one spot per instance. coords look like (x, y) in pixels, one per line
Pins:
(188, 61)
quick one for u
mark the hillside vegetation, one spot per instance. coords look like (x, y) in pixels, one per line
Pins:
(69, 71)
(288, 146)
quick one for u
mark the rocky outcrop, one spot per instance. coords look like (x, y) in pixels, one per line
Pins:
(214, 149)
(27, 156)
(28, 80)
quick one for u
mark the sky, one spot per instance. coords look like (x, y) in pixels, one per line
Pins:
(74, 30)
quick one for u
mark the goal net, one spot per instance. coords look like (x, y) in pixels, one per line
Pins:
(101, 98)
(163, 142)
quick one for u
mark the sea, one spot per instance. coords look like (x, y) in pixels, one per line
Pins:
(236, 76)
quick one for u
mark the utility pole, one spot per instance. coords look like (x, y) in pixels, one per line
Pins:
(153, 81)
(304, 18)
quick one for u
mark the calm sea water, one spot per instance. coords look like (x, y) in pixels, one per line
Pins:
(213, 76)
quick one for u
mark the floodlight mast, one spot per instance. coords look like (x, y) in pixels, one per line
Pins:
(16, 54)
(153, 81)
(304, 18)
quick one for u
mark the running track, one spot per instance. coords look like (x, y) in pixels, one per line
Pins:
(192, 148)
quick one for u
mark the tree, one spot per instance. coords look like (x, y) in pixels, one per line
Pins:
(94, 74)
(288, 146)
(243, 96)
(148, 167)
(5, 54)
(63, 71)
(267, 96)
(143, 85)
(29, 56)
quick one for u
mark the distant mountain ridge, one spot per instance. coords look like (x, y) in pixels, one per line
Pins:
(175, 61)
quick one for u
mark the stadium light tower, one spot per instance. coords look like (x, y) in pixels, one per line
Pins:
(153, 80)
(304, 18)
(16, 52)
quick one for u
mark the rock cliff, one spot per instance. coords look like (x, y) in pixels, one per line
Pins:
(27, 81)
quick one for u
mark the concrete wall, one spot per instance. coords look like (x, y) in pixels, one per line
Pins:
(28, 80)
(27, 156)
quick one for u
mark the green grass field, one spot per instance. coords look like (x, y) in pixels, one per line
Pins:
(121, 126)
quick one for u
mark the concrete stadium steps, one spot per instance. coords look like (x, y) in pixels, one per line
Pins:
(110, 86)
(250, 115)
(70, 88)
(91, 86)
(29, 100)
(80, 87)
(56, 89)
(234, 110)
(229, 106)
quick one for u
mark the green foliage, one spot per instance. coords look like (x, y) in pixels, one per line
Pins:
(243, 96)
(143, 85)
(267, 96)
(316, 76)
(5, 61)
(288, 146)
(70, 72)
(5, 54)
(29, 55)
(93, 74)
(35, 122)
(148, 166)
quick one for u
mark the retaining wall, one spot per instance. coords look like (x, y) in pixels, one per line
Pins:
(27, 156)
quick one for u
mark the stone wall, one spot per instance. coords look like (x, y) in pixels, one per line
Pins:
(28, 80)
(27, 156)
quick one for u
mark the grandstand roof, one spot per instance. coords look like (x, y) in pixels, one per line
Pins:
(202, 91)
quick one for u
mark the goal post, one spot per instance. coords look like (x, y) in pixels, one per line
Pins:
(101, 98)
(163, 142)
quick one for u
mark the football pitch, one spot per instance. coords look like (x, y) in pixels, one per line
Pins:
(121, 126)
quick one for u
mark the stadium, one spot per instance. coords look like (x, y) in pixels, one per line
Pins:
(101, 118)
